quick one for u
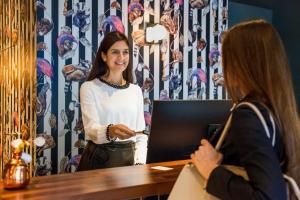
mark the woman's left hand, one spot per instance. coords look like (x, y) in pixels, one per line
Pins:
(206, 158)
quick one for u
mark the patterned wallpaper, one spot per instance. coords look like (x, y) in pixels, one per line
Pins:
(184, 65)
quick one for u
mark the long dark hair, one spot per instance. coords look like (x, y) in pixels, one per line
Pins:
(254, 59)
(99, 66)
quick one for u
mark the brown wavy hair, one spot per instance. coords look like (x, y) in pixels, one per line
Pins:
(99, 66)
(255, 63)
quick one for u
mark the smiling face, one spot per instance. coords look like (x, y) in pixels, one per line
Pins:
(117, 57)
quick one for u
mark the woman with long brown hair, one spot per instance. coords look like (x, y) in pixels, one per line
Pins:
(256, 70)
(112, 109)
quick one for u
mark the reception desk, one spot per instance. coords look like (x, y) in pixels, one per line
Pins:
(113, 183)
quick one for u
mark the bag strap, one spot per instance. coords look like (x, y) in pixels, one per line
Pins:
(262, 120)
(260, 117)
(292, 183)
(225, 130)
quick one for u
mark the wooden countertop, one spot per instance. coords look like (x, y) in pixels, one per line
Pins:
(112, 183)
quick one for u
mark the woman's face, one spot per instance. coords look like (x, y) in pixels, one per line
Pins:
(117, 57)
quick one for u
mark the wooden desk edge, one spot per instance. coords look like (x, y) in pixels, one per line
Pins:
(113, 193)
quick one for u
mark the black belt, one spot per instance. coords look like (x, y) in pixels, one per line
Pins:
(118, 144)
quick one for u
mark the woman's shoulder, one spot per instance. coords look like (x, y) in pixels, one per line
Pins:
(135, 87)
(244, 109)
(90, 85)
(244, 117)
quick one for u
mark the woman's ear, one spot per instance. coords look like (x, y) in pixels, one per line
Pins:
(103, 56)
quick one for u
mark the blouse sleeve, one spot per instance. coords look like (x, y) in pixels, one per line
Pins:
(90, 118)
(141, 139)
(249, 141)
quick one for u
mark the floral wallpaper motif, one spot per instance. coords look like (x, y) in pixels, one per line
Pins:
(184, 65)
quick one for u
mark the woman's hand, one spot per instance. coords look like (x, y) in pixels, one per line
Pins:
(120, 131)
(206, 158)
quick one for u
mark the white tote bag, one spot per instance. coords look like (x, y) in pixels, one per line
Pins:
(191, 185)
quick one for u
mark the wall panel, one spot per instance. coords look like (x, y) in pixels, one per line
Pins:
(17, 75)
(180, 67)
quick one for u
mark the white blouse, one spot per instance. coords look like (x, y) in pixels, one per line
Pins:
(102, 105)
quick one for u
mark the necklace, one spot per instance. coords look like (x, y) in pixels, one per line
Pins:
(124, 86)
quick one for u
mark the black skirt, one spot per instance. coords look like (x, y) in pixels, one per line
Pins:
(113, 154)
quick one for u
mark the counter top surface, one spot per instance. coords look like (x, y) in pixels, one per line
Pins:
(112, 183)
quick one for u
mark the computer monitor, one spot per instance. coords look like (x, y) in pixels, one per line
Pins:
(178, 126)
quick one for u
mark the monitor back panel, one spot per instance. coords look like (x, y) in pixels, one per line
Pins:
(178, 126)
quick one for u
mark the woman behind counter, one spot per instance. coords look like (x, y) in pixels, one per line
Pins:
(112, 109)
(255, 70)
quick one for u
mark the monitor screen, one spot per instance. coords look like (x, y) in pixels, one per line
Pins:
(178, 126)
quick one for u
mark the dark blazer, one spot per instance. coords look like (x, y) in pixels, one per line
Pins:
(247, 145)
